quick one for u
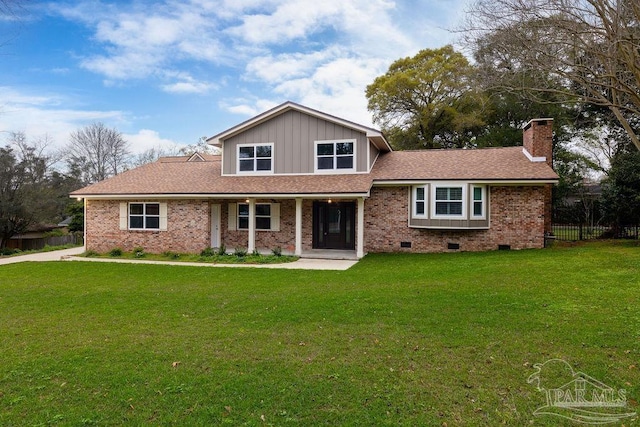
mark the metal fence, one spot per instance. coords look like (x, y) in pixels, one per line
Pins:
(575, 232)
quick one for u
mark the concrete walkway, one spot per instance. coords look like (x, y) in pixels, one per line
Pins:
(43, 256)
(68, 255)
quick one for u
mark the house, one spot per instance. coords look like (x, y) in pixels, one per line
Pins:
(306, 181)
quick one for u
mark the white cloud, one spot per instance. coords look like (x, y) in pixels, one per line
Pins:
(144, 39)
(290, 20)
(146, 139)
(319, 53)
(278, 68)
(44, 114)
(186, 84)
(248, 106)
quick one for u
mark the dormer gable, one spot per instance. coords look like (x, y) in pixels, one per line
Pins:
(293, 139)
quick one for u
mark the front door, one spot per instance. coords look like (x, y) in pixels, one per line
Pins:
(334, 225)
(215, 226)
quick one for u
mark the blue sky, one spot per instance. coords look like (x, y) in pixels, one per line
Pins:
(169, 72)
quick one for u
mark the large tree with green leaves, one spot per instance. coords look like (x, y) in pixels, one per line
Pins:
(427, 101)
(31, 191)
(25, 196)
(621, 189)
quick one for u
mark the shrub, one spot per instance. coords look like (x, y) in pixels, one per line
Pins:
(138, 252)
(222, 250)
(207, 252)
(240, 253)
(277, 251)
(256, 253)
(9, 251)
(172, 255)
(115, 252)
(56, 233)
(90, 254)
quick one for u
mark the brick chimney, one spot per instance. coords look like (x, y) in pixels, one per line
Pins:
(537, 139)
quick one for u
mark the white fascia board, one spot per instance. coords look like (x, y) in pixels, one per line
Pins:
(387, 183)
(221, 196)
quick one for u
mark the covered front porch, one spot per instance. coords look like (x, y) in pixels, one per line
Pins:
(310, 227)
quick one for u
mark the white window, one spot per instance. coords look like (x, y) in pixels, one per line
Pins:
(144, 216)
(267, 216)
(448, 202)
(255, 158)
(420, 202)
(478, 203)
(335, 155)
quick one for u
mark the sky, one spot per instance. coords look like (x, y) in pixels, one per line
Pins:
(165, 73)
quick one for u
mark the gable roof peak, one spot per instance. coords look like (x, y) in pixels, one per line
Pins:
(373, 134)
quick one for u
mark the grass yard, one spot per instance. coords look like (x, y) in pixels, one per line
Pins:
(441, 339)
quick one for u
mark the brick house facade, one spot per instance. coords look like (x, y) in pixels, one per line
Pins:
(339, 186)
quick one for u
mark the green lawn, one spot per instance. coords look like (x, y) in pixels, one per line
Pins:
(442, 339)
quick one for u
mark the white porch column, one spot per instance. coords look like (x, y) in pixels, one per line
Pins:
(84, 225)
(360, 229)
(298, 227)
(252, 226)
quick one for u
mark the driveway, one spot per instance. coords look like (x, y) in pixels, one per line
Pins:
(43, 256)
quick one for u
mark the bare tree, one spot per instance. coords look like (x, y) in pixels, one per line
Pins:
(99, 152)
(10, 10)
(201, 147)
(152, 154)
(582, 50)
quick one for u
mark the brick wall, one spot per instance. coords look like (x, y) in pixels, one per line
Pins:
(265, 240)
(187, 231)
(516, 219)
(188, 228)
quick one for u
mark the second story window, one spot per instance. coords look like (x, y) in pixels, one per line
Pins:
(255, 158)
(335, 155)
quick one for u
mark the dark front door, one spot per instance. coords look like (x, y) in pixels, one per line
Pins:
(334, 225)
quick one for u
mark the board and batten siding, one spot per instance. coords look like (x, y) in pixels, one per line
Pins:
(293, 134)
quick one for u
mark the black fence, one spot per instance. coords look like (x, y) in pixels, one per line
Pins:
(573, 223)
(575, 232)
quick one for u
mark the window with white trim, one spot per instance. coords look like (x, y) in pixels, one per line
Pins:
(420, 202)
(478, 202)
(335, 155)
(255, 158)
(144, 216)
(449, 202)
(263, 216)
